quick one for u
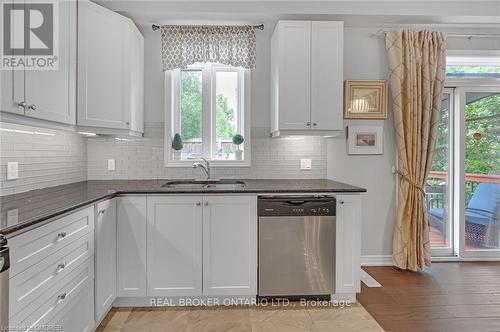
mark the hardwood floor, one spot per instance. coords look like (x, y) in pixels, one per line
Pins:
(448, 297)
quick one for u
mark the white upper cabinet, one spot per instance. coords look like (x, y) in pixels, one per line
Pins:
(47, 94)
(307, 77)
(110, 71)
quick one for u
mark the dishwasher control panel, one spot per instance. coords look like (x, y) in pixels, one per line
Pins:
(296, 206)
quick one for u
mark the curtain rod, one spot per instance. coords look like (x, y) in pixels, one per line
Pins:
(157, 26)
(454, 35)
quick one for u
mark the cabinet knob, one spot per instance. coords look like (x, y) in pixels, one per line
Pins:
(61, 297)
(198, 203)
(206, 203)
(341, 202)
(32, 107)
(61, 266)
(22, 104)
(101, 212)
(314, 124)
(61, 235)
(127, 123)
(308, 124)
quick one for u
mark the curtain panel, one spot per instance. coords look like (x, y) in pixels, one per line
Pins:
(230, 45)
(417, 61)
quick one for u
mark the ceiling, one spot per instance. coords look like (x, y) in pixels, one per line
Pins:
(480, 14)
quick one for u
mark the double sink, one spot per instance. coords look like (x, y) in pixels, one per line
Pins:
(222, 184)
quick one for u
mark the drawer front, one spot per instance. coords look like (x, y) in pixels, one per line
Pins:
(78, 315)
(44, 308)
(31, 247)
(33, 282)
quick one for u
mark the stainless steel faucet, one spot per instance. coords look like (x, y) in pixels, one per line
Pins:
(205, 166)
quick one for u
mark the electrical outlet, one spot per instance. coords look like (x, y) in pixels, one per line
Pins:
(111, 165)
(12, 170)
(305, 164)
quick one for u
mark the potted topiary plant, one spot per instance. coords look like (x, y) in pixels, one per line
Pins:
(238, 140)
(177, 146)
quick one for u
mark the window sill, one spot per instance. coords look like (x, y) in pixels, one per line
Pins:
(213, 163)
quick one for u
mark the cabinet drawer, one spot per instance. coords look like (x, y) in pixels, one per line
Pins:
(44, 308)
(33, 282)
(31, 247)
(77, 316)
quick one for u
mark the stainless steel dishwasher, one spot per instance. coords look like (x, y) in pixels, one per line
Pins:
(296, 246)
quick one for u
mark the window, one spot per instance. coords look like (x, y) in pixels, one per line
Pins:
(208, 108)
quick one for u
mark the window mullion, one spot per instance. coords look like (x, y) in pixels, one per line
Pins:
(206, 110)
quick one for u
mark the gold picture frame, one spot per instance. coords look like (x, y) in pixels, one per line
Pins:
(365, 99)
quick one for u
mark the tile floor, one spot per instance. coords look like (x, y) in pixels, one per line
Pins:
(240, 319)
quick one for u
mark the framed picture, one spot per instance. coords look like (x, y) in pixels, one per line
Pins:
(365, 139)
(365, 99)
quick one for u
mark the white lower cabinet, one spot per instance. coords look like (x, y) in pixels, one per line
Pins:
(131, 246)
(229, 245)
(202, 245)
(105, 257)
(78, 315)
(348, 244)
(174, 250)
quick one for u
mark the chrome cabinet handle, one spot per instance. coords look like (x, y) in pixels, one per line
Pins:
(61, 266)
(32, 107)
(206, 203)
(61, 235)
(22, 104)
(198, 204)
(101, 212)
(61, 297)
(308, 123)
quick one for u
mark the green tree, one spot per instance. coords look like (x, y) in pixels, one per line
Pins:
(191, 105)
(191, 109)
(225, 126)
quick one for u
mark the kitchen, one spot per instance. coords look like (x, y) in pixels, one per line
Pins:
(134, 179)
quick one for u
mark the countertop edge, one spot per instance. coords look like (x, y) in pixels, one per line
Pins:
(30, 223)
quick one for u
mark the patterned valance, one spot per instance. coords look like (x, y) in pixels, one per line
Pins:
(230, 45)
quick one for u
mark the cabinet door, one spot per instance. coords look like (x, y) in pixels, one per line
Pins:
(230, 245)
(78, 315)
(131, 246)
(174, 246)
(327, 75)
(294, 61)
(51, 94)
(102, 67)
(105, 257)
(348, 245)
(12, 81)
(136, 57)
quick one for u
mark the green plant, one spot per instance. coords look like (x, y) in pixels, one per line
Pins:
(177, 142)
(238, 139)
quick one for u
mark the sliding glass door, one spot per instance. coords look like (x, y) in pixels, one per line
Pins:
(438, 190)
(479, 194)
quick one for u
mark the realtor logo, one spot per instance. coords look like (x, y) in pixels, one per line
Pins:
(29, 35)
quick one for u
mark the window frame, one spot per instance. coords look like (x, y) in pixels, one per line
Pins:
(172, 114)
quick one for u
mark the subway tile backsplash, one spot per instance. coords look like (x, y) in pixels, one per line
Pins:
(49, 157)
(142, 158)
(46, 157)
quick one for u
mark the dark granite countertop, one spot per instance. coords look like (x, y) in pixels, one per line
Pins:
(20, 211)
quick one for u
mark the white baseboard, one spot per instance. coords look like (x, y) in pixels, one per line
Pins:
(376, 260)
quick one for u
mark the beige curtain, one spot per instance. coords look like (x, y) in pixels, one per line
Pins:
(417, 71)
